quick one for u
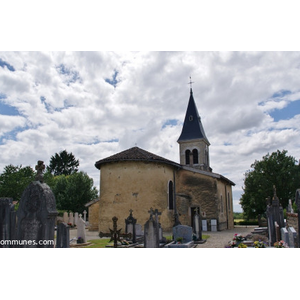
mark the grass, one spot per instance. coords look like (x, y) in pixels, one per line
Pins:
(101, 243)
(98, 243)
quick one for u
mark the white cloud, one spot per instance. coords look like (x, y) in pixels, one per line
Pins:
(65, 102)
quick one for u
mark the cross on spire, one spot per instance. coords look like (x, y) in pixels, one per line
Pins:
(190, 83)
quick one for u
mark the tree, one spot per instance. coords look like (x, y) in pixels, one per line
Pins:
(63, 163)
(14, 180)
(277, 169)
(72, 192)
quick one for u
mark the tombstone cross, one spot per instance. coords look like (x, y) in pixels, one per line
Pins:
(151, 212)
(115, 234)
(40, 167)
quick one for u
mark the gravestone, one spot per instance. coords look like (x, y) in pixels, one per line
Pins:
(81, 229)
(36, 214)
(197, 226)
(66, 217)
(285, 235)
(290, 207)
(63, 236)
(7, 222)
(274, 213)
(84, 215)
(213, 225)
(204, 225)
(277, 231)
(130, 224)
(138, 230)
(183, 231)
(71, 218)
(75, 218)
(292, 237)
(115, 233)
(151, 235)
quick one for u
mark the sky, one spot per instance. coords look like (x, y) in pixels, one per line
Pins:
(95, 104)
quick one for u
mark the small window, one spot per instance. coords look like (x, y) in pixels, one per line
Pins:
(171, 196)
(229, 202)
(191, 118)
(195, 156)
(187, 157)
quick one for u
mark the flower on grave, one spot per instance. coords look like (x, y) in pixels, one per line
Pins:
(281, 244)
(259, 244)
(238, 238)
(179, 240)
(79, 240)
(241, 245)
(232, 243)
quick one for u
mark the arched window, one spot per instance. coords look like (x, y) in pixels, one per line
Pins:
(195, 156)
(171, 196)
(187, 157)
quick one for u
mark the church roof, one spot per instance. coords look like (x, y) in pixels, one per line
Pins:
(135, 154)
(192, 127)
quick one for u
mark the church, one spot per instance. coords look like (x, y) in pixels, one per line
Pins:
(138, 180)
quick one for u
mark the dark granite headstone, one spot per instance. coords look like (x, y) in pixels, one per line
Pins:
(130, 223)
(274, 214)
(7, 222)
(63, 236)
(36, 214)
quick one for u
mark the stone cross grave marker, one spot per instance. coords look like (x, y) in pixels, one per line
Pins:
(81, 229)
(158, 227)
(197, 225)
(36, 214)
(151, 234)
(84, 215)
(130, 224)
(115, 234)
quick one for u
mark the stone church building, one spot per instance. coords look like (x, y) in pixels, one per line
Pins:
(139, 180)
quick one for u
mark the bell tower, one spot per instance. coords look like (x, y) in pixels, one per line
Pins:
(193, 143)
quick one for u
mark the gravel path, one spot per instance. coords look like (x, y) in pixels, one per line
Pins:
(221, 238)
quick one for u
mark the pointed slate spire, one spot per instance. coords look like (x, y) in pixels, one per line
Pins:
(192, 126)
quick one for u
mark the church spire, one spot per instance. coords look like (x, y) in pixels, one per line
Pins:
(193, 142)
(192, 126)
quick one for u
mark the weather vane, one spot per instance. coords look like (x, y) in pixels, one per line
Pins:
(190, 83)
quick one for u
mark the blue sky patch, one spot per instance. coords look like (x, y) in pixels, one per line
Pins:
(7, 65)
(281, 94)
(170, 122)
(114, 80)
(72, 75)
(7, 109)
(286, 113)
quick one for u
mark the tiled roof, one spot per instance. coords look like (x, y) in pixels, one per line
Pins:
(135, 154)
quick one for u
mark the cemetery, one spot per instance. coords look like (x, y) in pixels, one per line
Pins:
(35, 225)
